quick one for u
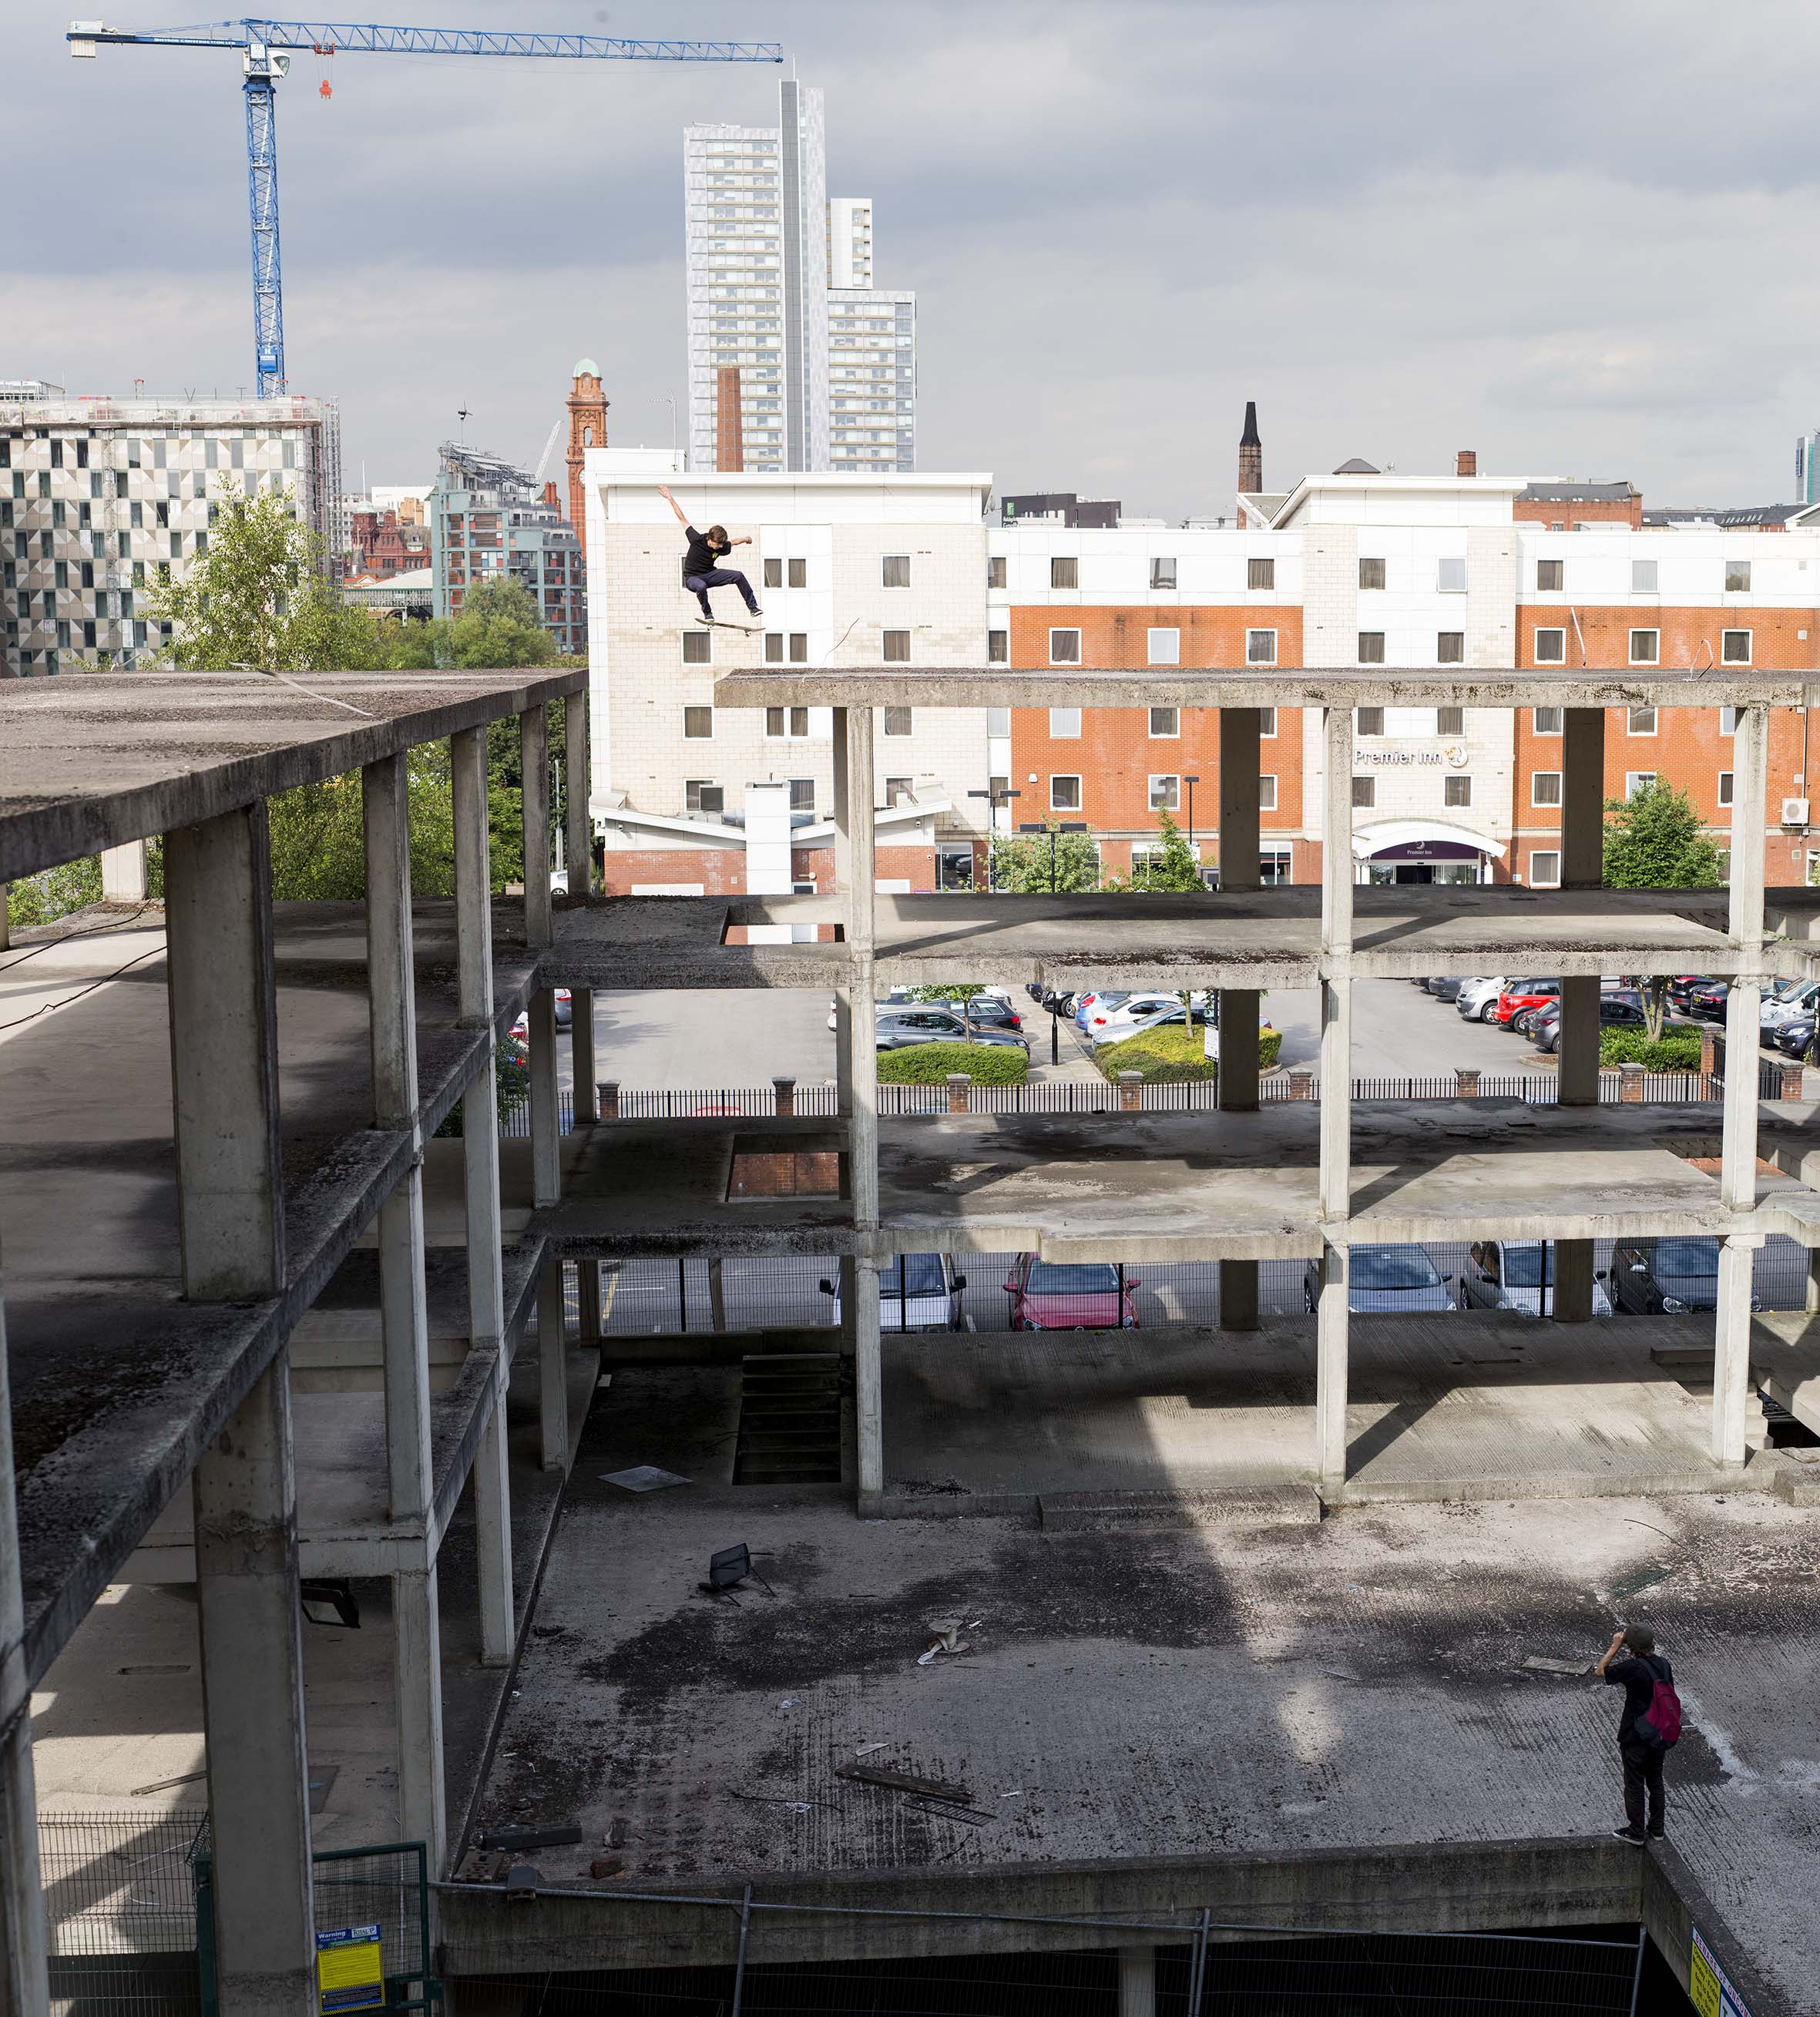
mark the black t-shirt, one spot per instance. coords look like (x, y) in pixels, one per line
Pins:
(701, 557)
(1638, 1676)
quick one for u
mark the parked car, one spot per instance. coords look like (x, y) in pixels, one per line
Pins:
(1105, 1021)
(1708, 1001)
(564, 1017)
(988, 1010)
(1475, 992)
(1086, 999)
(1648, 1277)
(1520, 998)
(1794, 999)
(1617, 1011)
(917, 1292)
(898, 1029)
(1519, 1275)
(1795, 1037)
(1397, 1278)
(1208, 1018)
(1681, 986)
(1070, 1295)
(1445, 987)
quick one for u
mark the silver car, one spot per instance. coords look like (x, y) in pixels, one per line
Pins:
(1397, 1278)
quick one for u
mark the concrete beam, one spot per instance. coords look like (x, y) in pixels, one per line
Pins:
(534, 774)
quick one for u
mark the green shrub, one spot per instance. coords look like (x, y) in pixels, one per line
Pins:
(1678, 1051)
(1269, 1048)
(1172, 1055)
(930, 1064)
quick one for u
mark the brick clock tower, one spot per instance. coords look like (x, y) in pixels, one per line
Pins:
(588, 428)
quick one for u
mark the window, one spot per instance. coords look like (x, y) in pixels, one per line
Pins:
(1637, 780)
(1064, 648)
(89, 636)
(702, 795)
(61, 576)
(998, 721)
(1547, 577)
(1267, 792)
(997, 647)
(773, 574)
(791, 722)
(1266, 721)
(1738, 577)
(994, 570)
(1364, 791)
(1368, 721)
(1260, 572)
(1725, 787)
(897, 648)
(1450, 648)
(1371, 573)
(1064, 721)
(1064, 571)
(1544, 869)
(1165, 794)
(799, 648)
(1641, 720)
(1456, 791)
(899, 791)
(1550, 649)
(1260, 647)
(896, 571)
(1545, 788)
(900, 721)
(1643, 577)
(695, 645)
(1735, 647)
(1450, 575)
(802, 795)
(1165, 648)
(774, 647)
(1371, 648)
(1165, 721)
(1644, 645)
(1728, 720)
(1163, 572)
(1065, 794)
(796, 573)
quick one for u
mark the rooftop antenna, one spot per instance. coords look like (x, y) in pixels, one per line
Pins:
(461, 415)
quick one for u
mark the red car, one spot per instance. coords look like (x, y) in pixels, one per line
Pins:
(1070, 1295)
(1523, 998)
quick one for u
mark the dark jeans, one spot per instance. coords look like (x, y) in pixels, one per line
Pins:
(698, 584)
(1642, 1773)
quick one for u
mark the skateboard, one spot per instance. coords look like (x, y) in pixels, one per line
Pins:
(722, 623)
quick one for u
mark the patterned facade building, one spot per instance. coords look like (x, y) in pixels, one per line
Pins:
(490, 520)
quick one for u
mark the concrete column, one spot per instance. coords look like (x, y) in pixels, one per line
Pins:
(578, 822)
(1333, 1321)
(1583, 798)
(1731, 1346)
(587, 1279)
(861, 1049)
(25, 1989)
(1137, 1982)
(1240, 870)
(1582, 842)
(534, 771)
(581, 1044)
(545, 1117)
(123, 873)
(867, 1381)
(1749, 755)
(843, 886)
(1336, 1102)
(553, 1364)
(1813, 1296)
(417, 1656)
(486, 1320)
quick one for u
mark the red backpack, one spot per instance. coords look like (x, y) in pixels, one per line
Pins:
(1658, 1727)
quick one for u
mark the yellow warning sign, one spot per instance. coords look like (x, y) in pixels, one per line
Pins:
(350, 1970)
(1708, 1988)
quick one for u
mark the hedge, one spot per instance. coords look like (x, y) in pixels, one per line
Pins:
(1679, 1051)
(1173, 1056)
(930, 1064)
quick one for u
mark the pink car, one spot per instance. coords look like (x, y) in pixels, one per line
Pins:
(1070, 1295)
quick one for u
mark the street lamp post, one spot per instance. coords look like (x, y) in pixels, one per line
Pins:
(995, 796)
(1191, 778)
(1055, 828)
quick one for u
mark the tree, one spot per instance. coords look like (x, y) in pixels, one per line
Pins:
(498, 625)
(259, 597)
(1024, 863)
(318, 846)
(1174, 868)
(1654, 840)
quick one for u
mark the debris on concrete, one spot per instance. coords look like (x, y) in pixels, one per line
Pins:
(164, 1785)
(790, 1702)
(906, 1782)
(1538, 1663)
(866, 1750)
(947, 1639)
(559, 1834)
(607, 1866)
(641, 1478)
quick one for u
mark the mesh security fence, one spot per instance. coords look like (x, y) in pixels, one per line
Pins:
(120, 1910)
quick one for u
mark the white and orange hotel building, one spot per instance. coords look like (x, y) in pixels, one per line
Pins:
(1350, 568)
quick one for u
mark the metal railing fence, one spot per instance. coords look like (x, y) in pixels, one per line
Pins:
(119, 1910)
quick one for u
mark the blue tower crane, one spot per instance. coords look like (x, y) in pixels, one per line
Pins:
(263, 45)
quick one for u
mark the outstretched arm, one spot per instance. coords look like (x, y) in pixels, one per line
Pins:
(1611, 1653)
(682, 517)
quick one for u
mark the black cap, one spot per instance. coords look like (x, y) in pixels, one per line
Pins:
(1250, 438)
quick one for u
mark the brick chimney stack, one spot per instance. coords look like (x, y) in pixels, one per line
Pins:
(1250, 453)
(729, 420)
(588, 428)
(1466, 463)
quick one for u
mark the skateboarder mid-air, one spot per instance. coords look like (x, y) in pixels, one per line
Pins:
(701, 570)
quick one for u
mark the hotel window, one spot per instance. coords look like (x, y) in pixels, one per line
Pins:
(1368, 721)
(1364, 791)
(695, 645)
(1547, 577)
(998, 721)
(802, 795)
(1165, 648)
(1165, 721)
(1260, 647)
(1065, 722)
(1728, 720)
(1550, 649)
(796, 574)
(1371, 573)
(1064, 648)
(1165, 794)
(773, 574)
(900, 720)
(1450, 575)
(1065, 794)
(702, 795)
(896, 570)
(1267, 792)
(1640, 720)
(1064, 571)
(1644, 647)
(791, 723)
(1371, 648)
(1637, 780)
(1545, 788)
(994, 570)
(1449, 721)
(1266, 721)
(1738, 577)
(1163, 572)
(897, 648)
(1450, 648)
(1545, 870)
(774, 647)
(997, 647)
(799, 648)
(1260, 572)
(1456, 791)
(1725, 787)
(1643, 577)
(697, 724)
(1735, 647)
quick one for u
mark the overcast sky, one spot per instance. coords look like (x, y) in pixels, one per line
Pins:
(1578, 238)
